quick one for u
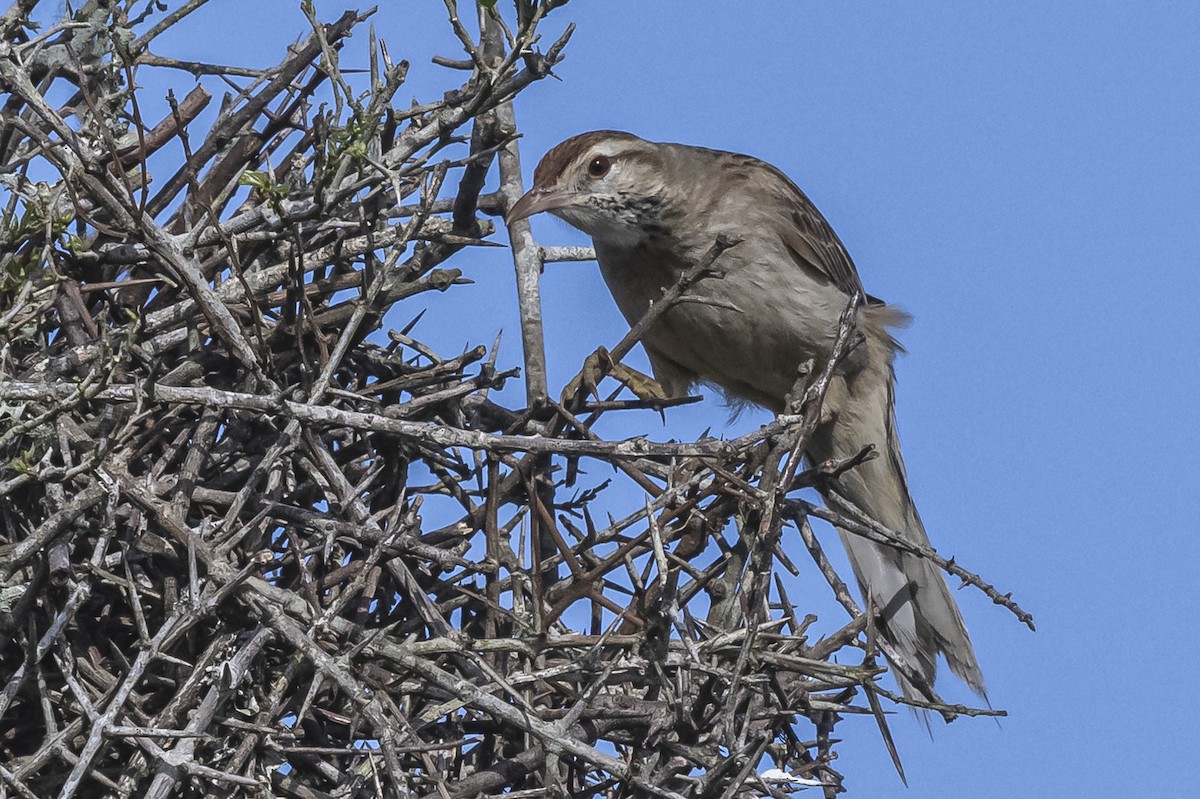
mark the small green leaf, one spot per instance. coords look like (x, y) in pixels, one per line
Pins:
(255, 180)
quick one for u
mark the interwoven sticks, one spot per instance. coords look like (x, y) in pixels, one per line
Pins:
(251, 547)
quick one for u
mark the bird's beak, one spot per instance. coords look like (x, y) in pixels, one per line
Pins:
(537, 200)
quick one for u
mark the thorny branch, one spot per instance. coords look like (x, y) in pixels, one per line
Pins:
(248, 546)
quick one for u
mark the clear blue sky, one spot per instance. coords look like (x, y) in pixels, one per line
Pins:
(1025, 179)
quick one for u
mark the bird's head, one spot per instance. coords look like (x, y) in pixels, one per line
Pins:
(607, 183)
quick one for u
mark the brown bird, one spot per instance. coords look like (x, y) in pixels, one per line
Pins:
(653, 210)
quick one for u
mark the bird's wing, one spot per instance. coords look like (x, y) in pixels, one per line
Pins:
(812, 244)
(808, 238)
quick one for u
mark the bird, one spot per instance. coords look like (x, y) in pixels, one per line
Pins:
(655, 209)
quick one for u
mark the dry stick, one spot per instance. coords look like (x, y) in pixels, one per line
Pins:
(269, 275)
(161, 134)
(528, 264)
(862, 525)
(635, 473)
(198, 195)
(218, 314)
(566, 254)
(438, 435)
(671, 295)
(13, 781)
(248, 150)
(172, 628)
(79, 594)
(367, 302)
(39, 539)
(565, 588)
(231, 292)
(172, 17)
(16, 17)
(232, 672)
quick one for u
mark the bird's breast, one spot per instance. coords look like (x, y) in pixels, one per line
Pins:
(747, 331)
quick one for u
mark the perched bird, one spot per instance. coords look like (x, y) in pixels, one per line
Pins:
(653, 210)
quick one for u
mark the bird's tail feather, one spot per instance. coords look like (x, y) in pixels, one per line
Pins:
(918, 615)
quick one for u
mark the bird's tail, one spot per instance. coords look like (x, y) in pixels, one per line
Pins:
(918, 616)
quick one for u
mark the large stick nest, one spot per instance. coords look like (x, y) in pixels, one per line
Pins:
(254, 545)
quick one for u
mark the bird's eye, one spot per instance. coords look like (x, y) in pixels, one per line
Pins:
(598, 167)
